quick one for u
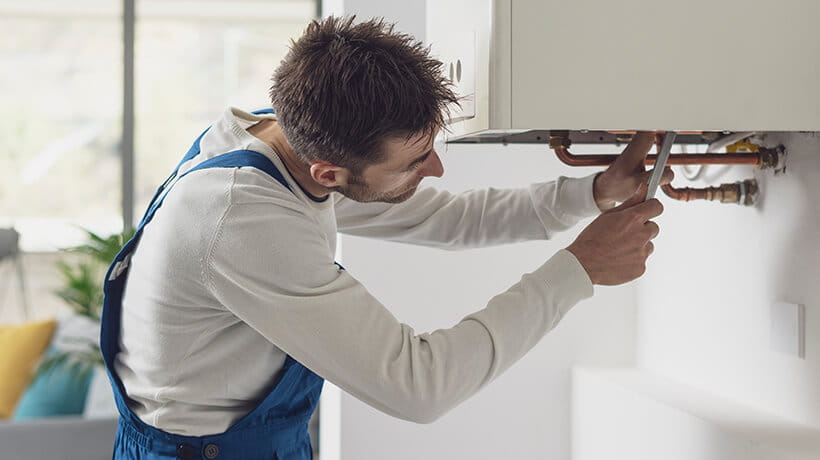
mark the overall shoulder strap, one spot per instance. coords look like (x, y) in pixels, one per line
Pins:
(193, 151)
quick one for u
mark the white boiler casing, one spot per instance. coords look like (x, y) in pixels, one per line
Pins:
(701, 65)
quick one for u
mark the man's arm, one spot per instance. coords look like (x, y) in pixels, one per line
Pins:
(490, 217)
(273, 269)
(475, 218)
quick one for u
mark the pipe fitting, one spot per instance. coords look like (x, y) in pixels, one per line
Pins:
(725, 193)
(743, 193)
(559, 139)
(773, 158)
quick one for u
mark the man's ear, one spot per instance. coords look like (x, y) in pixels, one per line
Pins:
(328, 175)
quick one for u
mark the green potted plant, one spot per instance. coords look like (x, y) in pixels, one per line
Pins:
(82, 291)
(67, 374)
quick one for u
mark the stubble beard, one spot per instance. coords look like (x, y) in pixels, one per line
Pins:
(357, 190)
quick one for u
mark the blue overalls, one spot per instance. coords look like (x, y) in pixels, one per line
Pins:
(275, 429)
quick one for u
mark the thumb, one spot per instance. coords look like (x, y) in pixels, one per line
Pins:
(637, 198)
(666, 178)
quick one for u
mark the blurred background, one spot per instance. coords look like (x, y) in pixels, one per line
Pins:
(62, 122)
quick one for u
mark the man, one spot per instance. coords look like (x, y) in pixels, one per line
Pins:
(234, 310)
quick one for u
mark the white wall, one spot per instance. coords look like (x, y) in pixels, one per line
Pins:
(704, 307)
(408, 15)
(631, 414)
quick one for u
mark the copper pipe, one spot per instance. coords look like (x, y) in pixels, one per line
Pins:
(560, 143)
(684, 194)
(740, 192)
(744, 193)
(676, 159)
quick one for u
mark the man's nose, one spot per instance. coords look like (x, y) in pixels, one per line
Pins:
(432, 166)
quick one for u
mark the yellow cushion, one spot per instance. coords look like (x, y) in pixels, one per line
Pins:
(21, 347)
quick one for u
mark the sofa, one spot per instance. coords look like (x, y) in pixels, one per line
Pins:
(63, 438)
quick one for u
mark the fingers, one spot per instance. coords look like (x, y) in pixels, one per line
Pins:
(667, 177)
(638, 147)
(648, 209)
(638, 197)
(653, 229)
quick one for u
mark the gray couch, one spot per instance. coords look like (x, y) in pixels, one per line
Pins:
(68, 438)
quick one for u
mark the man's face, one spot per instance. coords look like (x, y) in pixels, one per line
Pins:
(407, 161)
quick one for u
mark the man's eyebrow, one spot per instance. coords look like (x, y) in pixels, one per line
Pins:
(420, 159)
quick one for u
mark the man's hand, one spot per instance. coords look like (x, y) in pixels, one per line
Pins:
(627, 173)
(613, 249)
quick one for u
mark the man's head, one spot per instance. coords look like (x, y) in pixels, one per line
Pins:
(362, 104)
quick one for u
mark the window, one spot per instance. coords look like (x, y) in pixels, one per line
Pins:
(61, 122)
(60, 119)
(193, 60)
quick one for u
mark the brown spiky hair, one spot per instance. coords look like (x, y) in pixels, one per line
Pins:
(344, 88)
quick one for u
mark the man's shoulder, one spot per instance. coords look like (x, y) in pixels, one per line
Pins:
(214, 190)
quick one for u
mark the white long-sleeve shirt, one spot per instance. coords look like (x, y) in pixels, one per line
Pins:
(235, 271)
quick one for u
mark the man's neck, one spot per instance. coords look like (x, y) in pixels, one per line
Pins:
(269, 132)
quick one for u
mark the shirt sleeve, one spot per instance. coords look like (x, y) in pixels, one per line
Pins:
(275, 272)
(476, 218)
